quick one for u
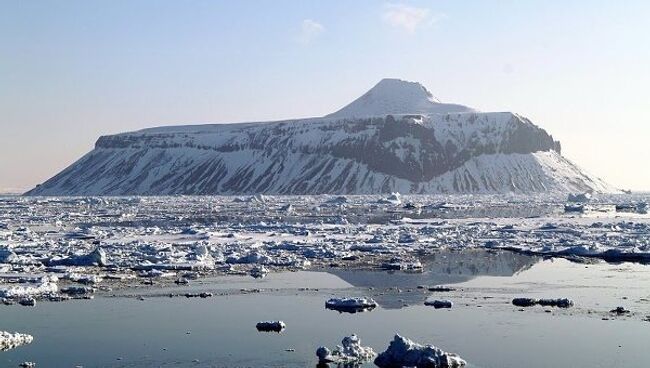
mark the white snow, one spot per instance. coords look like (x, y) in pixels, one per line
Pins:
(350, 351)
(350, 303)
(395, 96)
(10, 340)
(300, 156)
(403, 352)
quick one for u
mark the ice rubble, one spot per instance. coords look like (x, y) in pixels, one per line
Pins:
(403, 352)
(350, 351)
(95, 258)
(10, 340)
(87, 241)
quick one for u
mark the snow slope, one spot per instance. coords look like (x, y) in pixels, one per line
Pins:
(394, 96)
(439, 152)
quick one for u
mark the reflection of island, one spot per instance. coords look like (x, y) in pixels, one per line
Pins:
(443, 267)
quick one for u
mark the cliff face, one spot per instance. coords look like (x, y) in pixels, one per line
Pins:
(437, 153)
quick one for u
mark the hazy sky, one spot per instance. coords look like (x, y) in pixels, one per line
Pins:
(71, 71)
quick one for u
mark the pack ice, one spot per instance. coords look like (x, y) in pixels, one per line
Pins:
(51, 247)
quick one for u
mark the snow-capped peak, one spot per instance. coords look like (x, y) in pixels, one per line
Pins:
(396, 96)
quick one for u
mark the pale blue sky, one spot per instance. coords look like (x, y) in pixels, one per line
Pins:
(71, 71)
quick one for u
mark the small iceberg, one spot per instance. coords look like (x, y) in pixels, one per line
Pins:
(351, 305)
(10, 340)
(270, 326)
(43, 287)
(579, 197)
(529, 302)
(574, 207)
(393, 198)
(95, 258)
(437, 303)
(403, 352)
(349, 352)
(259, 272)
(441, 289)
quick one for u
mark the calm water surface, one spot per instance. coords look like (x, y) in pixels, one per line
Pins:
(482, 327)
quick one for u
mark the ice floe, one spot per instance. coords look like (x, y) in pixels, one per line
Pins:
(351, 304)
(10, 340)
(438, 303)
(529, 302)
(403, 352)
(268, 326)
(349, 352)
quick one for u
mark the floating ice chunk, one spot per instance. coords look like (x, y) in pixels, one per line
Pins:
(287, 208)
(639, 207)
(574, 207)
(404, 265)
(439, 303)
(257, 198)
(560, 302)
(393, 198)
(337, 200)
(82, 278)
(441, 289)
(10, 340)
(407, 238)
(620, 311)
(403, 352)
(259, 272)
(95, 258)
(529, 302)
(268, 326)
(350, 305)
(27, 301)
(350, 351)
(77, 290)
(7, 256)
(155, 273)
(252, 257)
(27, 365)
(44, 287)
(524, 302)
(579, 197)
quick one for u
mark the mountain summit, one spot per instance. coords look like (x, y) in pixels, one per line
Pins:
(395, 138)
(395, 96)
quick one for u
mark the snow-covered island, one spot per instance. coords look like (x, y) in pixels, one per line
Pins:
(395, 138)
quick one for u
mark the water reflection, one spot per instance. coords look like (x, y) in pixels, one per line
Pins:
(444, 267)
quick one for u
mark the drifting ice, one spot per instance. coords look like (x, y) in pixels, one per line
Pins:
(439, 303)
(403, 352)
(10, 340)
(350, 304)
(275, 326)
(529, 302)
(350, 351)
